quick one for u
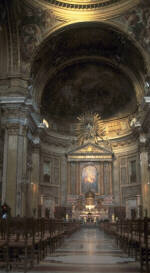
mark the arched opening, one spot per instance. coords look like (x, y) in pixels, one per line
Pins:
(91, 67)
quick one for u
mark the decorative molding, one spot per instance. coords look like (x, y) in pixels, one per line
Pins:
(21, 111)
(89, 5)
(90, 152)
(12, 100)
(72, 4)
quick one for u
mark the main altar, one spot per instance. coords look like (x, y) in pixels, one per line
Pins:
(90, 183)
(90, 167)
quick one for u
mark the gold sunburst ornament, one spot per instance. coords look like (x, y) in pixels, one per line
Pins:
(89, 128)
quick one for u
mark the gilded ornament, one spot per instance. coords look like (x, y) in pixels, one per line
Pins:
(89, 128)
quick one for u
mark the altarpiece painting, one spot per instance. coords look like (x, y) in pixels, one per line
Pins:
(89, 178)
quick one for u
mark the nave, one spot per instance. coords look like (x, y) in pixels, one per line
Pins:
(88, 250)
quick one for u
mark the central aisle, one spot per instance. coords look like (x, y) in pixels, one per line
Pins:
(88, 250)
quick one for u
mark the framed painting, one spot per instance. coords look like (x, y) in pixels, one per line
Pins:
(89, 178)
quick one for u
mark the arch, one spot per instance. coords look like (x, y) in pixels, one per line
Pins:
(64, 26)
(63, 29)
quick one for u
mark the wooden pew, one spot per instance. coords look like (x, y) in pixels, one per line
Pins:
(24, 242)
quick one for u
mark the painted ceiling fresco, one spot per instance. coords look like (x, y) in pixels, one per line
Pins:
(137, 23)
(86, 87)
(34, 22)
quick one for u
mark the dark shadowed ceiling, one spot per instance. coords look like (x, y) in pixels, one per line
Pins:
(88, 86)
(86, 67)
(89, 39)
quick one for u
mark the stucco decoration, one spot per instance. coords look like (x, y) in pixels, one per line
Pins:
(32, 28)
(137, 24)
(89, 128)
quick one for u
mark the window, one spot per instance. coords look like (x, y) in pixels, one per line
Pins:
(47, 172)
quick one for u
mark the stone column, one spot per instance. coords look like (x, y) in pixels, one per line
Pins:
(144, 179)
(22, 143)
(35, 177)
(144, 153)
(110, 175)
(14, 166)
(17, 123)
(116, 181)
(68, 177)
(1, 156)
(101, 177)
(78, 179)
(10, 169)
(63, 181)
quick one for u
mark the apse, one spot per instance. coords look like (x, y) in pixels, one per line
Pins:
(87, 67)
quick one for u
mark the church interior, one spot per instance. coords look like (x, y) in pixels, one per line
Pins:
(75, 109)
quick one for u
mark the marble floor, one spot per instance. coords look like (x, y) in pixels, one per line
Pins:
(88, 251)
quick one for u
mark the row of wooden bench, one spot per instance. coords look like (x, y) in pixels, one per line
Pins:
(133, 236)
(24, 242)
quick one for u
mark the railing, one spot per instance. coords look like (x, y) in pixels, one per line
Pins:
(24, 242)
(133, 236)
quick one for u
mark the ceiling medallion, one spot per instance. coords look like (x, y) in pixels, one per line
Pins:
(89, 128)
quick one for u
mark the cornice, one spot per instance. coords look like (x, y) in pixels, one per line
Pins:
(107, 8)
(57, 141)
(68, 142)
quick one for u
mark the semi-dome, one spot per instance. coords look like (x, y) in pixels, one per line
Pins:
(86, 67)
